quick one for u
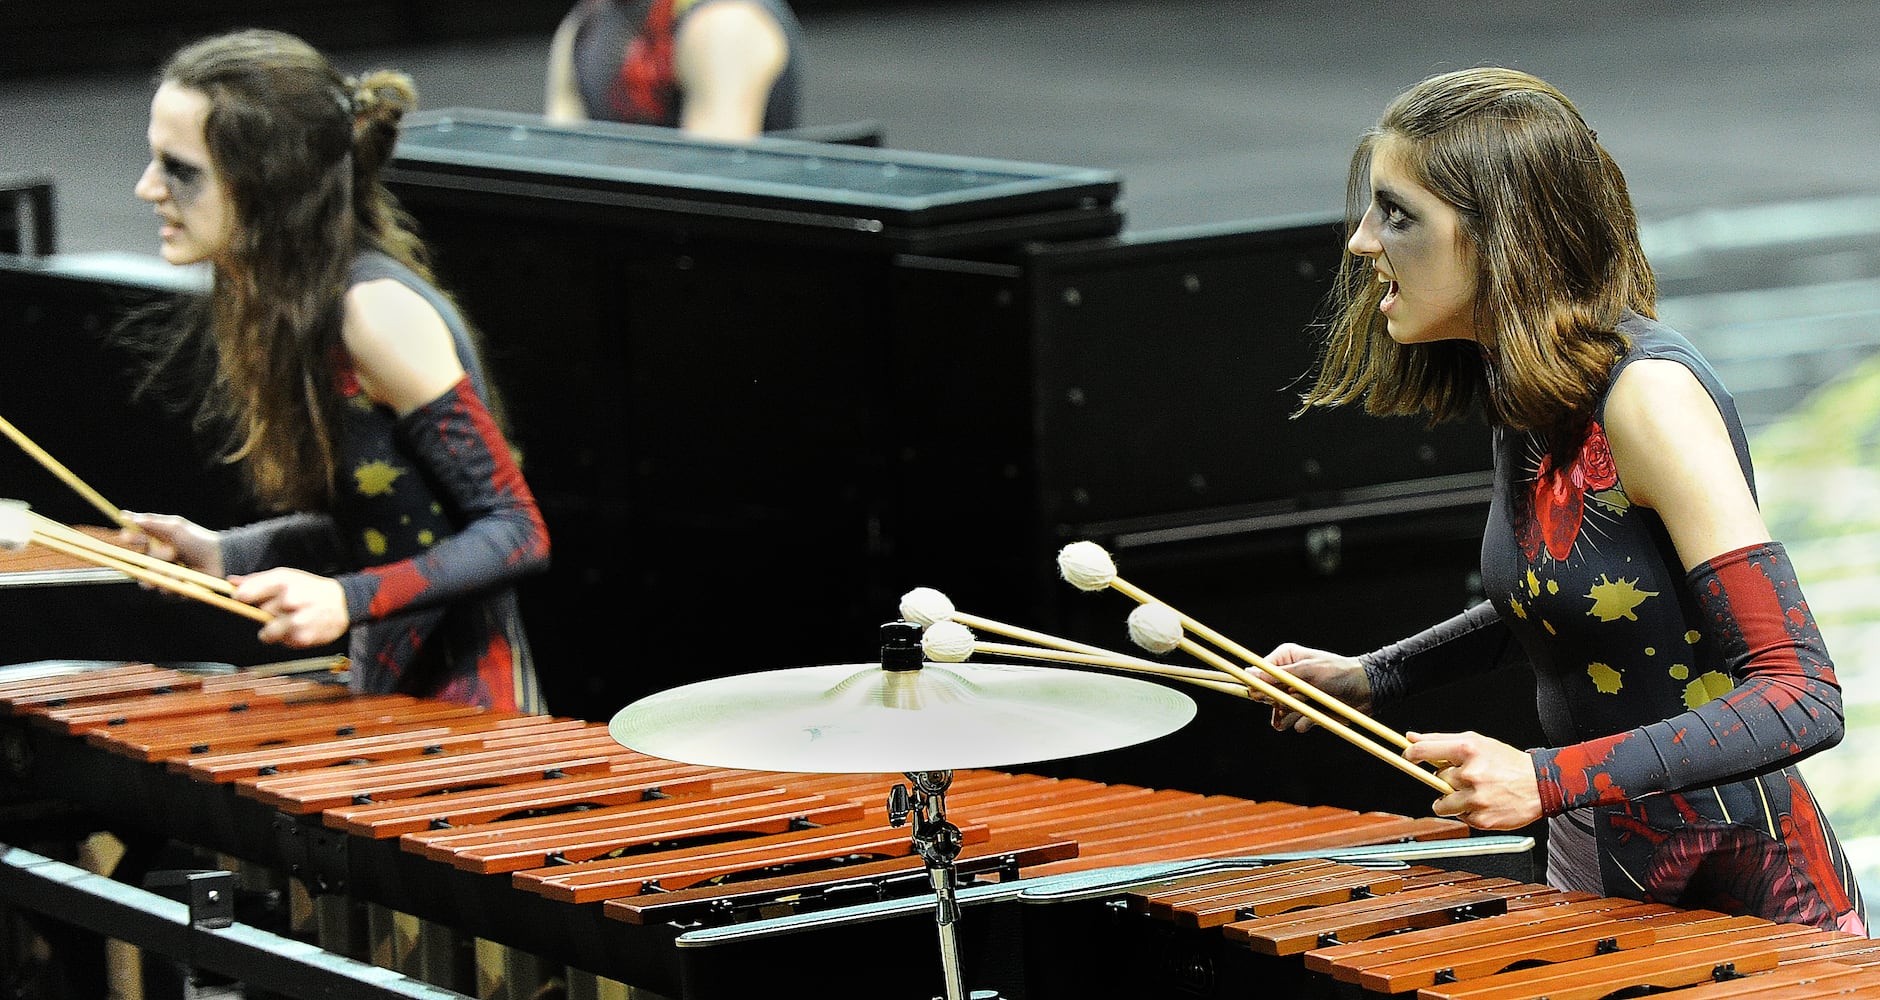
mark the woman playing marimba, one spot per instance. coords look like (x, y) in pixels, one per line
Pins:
(1496, 266)
(349, 386)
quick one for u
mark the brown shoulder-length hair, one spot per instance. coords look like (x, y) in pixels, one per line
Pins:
(1547, 219)
(299, 148)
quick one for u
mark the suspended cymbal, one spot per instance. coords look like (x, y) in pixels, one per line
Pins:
(859, 718)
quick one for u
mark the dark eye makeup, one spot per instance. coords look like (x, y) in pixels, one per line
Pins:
(178, 171)
(1395, 215)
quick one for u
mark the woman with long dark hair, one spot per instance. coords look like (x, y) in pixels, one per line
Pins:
(338, 376)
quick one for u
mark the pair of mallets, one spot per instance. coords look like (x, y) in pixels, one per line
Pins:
(1157, 628)
(20, 526)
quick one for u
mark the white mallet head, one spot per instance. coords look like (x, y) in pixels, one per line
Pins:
(16, 526)
(925, 605)
(947, 642)
(1086, 566)
(1155, 627)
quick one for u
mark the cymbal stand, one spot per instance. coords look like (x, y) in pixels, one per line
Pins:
(938, 842)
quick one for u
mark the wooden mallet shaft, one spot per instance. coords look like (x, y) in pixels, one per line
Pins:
(1349, 735)
(47, 526)
(1046, 639)
(1303, 687)
(66, 475)
(162, 581)
(1202, 678)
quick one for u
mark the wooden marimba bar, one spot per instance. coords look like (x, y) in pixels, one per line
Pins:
(35, 566)
(545, 835)
(1325, 929)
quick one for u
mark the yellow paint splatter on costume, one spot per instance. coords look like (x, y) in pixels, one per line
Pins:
(1519, 609)
(1553, 586)
(375, 542)
(1692, 636)
(375, 479)
(1549, 626)
(1614, 499)
(1680, 671)
(1706, 688)
(1605, 679)
(1616, 599)
(1533, 584)
(426, 537)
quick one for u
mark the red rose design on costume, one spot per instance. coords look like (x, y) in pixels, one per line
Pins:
(1595, 462)
(1560, 495)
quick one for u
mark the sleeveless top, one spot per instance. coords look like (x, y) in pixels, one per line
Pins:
(1594, 591)
(430, 526)
(623, 62)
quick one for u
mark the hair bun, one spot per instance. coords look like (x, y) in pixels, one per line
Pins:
(383, 93)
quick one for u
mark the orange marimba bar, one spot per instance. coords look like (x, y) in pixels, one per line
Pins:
(35, 565)
(1321, 928)
(545, 834)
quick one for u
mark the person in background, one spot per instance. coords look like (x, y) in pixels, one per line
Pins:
(339, 377)
(719, 69)
(1495, 269)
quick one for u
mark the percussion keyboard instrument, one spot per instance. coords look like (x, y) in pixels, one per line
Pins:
(545, 835)
(1319, 928)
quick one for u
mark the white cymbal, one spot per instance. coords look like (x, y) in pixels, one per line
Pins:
(858, 718)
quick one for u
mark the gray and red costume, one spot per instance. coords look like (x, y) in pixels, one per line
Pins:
(431, 527)
(623, 61)
(1678, 703)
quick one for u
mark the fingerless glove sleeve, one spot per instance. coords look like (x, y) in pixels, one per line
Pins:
(1473, 642)
(1786, 704)
(502, 537)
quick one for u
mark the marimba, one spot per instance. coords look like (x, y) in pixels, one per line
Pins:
(545, 835)
(1324, 929)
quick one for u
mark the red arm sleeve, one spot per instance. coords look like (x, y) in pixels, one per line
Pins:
(1786, 704)
(503, 536)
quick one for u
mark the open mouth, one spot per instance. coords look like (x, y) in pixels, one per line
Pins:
(1390, 295)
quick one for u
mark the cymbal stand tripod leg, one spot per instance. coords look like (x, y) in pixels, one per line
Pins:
(938, 842)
